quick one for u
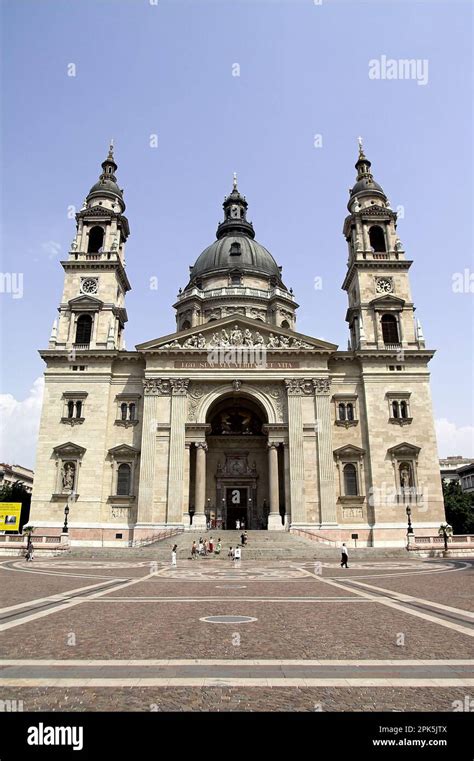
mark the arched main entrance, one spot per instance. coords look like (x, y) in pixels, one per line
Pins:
(237, 458)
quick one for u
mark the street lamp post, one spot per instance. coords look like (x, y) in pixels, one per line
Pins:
(70, 498)
(410, 532)
(66, 513)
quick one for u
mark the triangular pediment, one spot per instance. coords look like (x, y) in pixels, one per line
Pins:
(124, 450)
(85, 302)
(350, 450)
(237, 331)
(69, 449)
(404, 450)
(388, 301)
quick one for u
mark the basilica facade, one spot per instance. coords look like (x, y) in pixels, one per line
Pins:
(236, 418)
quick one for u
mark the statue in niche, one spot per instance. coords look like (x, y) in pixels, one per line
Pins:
(405, 476)
(68, 476)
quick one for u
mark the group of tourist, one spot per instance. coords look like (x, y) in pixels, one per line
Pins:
(205, 547)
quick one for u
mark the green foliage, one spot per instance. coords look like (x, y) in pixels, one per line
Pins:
(459, 507)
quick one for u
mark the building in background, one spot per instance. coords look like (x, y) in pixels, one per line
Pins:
(11, 474)
(236, 418)
(453, 467)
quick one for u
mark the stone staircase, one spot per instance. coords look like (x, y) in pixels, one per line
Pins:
(262, 546)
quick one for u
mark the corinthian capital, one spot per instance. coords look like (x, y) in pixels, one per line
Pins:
(322, 385)
(179, 386)
(158, 386)
(299, 386)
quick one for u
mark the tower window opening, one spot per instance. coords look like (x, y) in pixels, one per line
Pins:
(285, 324)
(84, 329)
(96, 240)
(389, 329)
(235, 249)
(377, 238)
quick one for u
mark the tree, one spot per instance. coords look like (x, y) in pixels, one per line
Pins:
(17, 492)
(459, 507)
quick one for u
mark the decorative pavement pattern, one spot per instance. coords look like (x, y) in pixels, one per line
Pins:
(142, 636)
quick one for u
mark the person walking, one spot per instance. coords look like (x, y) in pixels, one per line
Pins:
(218, 549)
(242, 539)
(237, 554)
(344, 556)
(193, 551)
(211, 544)
(201, 546)
(29, 550)
(230, 554)
(174, 554)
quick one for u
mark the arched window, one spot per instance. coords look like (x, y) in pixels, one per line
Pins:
(342, 411)
(96, 240)
(377, 238)
(70, 408)
(350, 480)
(84, 329)
(124, 479)
(395, 410)
(132, 409)
(285, 324)
(389, 329)
(123, 411)
(186, 324)
(350, 411)
(403, 409)
(78, 409)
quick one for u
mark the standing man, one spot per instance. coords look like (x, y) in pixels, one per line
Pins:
(173, 555)
(345, 556)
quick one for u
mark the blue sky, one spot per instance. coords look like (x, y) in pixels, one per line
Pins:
(167, 69)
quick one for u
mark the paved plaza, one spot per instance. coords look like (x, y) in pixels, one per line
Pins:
(132, 633)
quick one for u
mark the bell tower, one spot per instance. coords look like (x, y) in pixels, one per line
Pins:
(92, 311)
(381, 313)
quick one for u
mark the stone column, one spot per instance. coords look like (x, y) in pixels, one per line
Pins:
(199, 520)
(296, 388)
(327, 492)
(274, 518)
(286, 471)
(153, 388)
(187, 472)
(179, 387)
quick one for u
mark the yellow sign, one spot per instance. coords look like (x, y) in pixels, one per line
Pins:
(10, 516)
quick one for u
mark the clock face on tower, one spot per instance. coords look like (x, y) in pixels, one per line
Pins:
(384, 285)
(234, 212)
(89, 285)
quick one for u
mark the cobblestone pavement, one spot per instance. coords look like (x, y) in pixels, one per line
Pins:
(394, 627)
